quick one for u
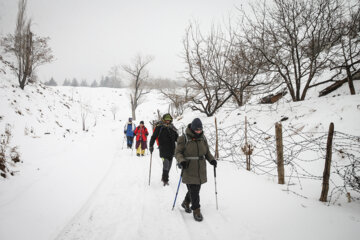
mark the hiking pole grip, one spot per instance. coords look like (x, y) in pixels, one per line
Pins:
(177, 191)
(150, 168)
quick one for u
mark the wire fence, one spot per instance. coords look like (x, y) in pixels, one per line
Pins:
(303, 153)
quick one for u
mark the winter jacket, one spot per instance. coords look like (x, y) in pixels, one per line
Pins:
(195, 150)
(129, 129)
(141, 133)
(167, 135)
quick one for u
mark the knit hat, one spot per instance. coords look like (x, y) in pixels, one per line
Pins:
(167, 117)
(141, 122)
(130, 119)
(196, 124)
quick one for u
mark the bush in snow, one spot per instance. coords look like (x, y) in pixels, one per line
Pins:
(7, 152)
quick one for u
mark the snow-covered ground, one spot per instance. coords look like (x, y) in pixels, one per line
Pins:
(74, 184)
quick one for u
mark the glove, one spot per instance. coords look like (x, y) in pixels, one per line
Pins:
(184, 165)
(213, 162)
(151, 148)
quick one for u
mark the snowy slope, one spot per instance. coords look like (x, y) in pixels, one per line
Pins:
(83, 185)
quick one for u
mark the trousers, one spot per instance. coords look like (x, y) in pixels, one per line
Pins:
(193, 195)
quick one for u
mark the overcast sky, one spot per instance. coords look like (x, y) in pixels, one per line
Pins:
(90, 36)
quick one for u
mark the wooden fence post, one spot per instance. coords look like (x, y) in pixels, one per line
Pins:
(247, 148)
(326, 174)
(217, 141)
(280, 153)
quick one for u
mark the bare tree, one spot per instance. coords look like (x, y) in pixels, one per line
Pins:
(235, 64)
(348, 51)
(30, 51)
(209, 93)
(84, 112)
(138, 74)
(295, 38)
(114, 110)
(178, 98)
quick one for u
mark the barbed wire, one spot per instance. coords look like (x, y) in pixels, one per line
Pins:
(304, 155)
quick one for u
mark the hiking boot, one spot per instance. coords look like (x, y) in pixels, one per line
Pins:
(197, 215)
(186, 206)
(165, 177)
(138, 154)
(164, 182)
(142, 154)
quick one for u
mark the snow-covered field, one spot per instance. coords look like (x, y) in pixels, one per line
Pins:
(74, 184)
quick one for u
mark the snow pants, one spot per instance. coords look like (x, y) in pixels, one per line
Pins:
(166, 168)
(129, 141)
(140, 147)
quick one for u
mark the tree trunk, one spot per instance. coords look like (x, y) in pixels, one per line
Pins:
(22, 84)
(133, 106)
(217, 141)
(133, 113)
(350, 81)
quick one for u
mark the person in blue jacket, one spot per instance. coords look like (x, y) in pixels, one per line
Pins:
(129, 129)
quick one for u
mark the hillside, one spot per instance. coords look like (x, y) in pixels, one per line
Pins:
(75, 184)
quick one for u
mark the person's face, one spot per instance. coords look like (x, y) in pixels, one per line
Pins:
(141, 124)
(198, 131)
(167, 121)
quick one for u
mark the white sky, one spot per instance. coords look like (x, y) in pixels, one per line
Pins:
(90, 36)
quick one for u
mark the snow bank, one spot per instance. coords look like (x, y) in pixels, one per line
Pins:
(75, 184)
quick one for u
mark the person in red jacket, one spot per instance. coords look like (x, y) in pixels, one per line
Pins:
(141, 133)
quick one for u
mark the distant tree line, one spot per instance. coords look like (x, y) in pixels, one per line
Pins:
(104, 82)
(108, 81)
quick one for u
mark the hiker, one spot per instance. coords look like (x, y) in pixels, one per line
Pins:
(141, 133)
(167, 134)
(129, 132)
(191, 152)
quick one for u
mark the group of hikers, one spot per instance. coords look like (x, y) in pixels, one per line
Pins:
(191, 151)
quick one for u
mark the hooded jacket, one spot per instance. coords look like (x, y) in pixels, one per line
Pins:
(195, 150)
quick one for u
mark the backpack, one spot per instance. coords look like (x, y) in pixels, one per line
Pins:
(155, 125)
(187, 139)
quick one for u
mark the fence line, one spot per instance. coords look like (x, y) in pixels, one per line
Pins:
(303, 154)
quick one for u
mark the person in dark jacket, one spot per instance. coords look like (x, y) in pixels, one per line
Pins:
(141, 133)
(129, 132)
(191, 152)
(167, 135)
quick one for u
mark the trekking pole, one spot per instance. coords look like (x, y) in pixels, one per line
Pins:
(150, 168)
(132, 148)
(177, 191)
(217, 208)
(123, 142)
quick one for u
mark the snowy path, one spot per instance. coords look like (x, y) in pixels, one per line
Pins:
(125, 207)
